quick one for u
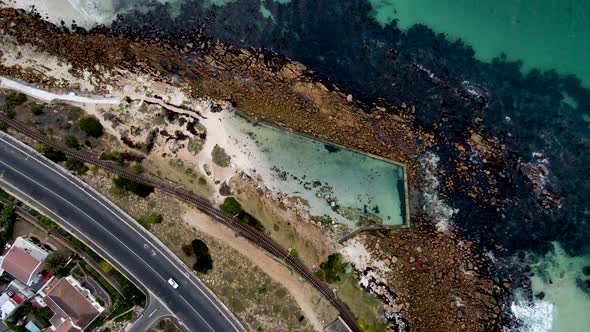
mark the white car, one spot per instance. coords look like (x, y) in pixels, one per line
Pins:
(173, 283)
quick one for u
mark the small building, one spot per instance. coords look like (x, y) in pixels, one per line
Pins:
(7, 306)
(24, 260)
(73, 305)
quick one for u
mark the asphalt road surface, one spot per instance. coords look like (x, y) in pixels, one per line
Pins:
(115, 236)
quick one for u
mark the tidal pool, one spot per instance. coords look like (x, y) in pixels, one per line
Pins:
(348, 187)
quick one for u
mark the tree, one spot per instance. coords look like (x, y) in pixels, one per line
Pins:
(203, 262)
(91, 126)
(55, 261)
(72, 142)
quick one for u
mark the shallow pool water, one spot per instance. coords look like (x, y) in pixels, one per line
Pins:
(349, 187)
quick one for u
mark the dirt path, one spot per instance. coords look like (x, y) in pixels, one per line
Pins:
(298, 289)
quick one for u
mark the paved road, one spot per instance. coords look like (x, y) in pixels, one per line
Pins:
(112, 234)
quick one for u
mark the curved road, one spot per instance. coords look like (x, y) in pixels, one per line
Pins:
(113, 234)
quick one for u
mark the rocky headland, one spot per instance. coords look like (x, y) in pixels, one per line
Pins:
(433, 276)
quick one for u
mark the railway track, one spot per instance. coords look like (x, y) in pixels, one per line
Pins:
(251, 234)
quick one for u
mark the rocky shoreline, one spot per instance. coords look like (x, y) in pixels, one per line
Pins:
(430, 280)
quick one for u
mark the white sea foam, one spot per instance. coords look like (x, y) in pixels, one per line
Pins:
(534, 316)
(435, 206)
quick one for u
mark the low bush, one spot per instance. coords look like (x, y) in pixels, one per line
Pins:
(232, 207)
(76, 165)
(138, 188)
(15, 98)
(91, 126)
(149, 220)
(332, 269)
(114, 156)
(51, 154)
(137, 169)
(36, 109)
(220, 157)
(72, 142)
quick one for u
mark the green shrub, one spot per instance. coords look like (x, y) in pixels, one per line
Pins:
(203, 262)
(91, 126)
(140, 189)
(36, 109)
(51, 154)
(15, 98)
(76, 165)
(72, 142)
(137, 169)
(332, 269)
(149, 220)
(293, 252)
(232, 207)
(3, 126)
(115, 156)
(220, 157)
(7, 220)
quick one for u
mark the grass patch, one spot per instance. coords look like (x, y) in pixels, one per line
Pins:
(220, 157)
(232, 207)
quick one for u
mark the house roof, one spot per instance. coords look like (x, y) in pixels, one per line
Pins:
(67, 326)
(20, 264)
(68, 302)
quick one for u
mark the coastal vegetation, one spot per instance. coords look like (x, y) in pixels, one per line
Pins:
(114, 156)
(91, 126)
(332, 270)
(220, 157)
(51, 153)
(7, 219)
(203, 262)
(36, 109)
(76, 165)
(232, 207)
(72, 142)
(140, 189)
(150, 220)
